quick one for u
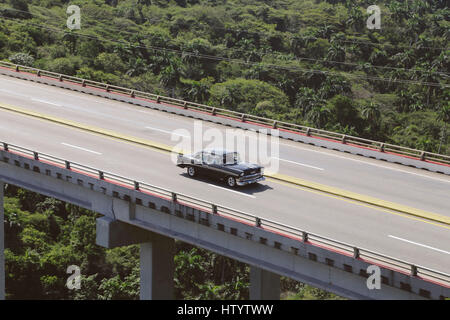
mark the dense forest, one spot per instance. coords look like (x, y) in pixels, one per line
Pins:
(311, 62)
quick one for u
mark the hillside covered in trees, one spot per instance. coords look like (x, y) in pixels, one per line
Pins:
(311, 62)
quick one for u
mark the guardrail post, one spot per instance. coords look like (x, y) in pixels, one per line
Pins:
(423, 156)
(61, 77)
(101, 175)
(107, 88)
(213, 112)
(275, 123)
(132, 94)
(83, 83)
(17, 68)
(413, 270)
(5, 146)
(305, 236)
(382, 147)
(243, 117)
(174, 197)
(67, 165)
(185, 105)
(39, 73)
(136, 185)
(214, 209)
(158, 99)
(344, 138)
(36, 156)
(308, 131)
(355, 252)
(258, 222)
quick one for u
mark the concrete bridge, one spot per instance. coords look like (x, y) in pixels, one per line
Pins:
(139, 213)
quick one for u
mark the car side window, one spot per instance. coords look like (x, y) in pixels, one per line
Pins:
(217, 160)
(198, 157)
(207, 158)
(212, 159)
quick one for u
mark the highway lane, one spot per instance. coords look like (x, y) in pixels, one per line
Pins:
(372, 228)
(391, 182)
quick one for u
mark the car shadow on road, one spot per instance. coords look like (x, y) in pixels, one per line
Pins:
(250, 189)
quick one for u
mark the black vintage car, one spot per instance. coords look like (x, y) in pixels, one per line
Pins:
(223, 165)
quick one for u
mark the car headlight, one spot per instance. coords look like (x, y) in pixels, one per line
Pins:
(242, 174)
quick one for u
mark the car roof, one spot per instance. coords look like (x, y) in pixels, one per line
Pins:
(218, 151)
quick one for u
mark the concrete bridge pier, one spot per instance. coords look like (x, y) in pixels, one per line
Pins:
(2, 243)
(156, 255)
(157, 269)
(264, 285)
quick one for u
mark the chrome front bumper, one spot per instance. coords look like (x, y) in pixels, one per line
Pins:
(250, 181)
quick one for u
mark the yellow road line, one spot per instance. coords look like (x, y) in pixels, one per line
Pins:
(84, 127)
(361, 198)
(276, 176)
(404, 215)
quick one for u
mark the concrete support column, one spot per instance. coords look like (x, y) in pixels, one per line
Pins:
(264, 285)
(157, 269)
(156, 255)
(2, 244)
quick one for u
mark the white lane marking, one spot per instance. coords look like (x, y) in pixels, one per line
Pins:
(46, 102)
(365, 162)
(241, 193)
(168, 132)
(300, 164)
(80, 148)
(14, 93)
(419, 244)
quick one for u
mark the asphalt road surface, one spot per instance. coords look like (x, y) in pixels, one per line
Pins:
(398, 235)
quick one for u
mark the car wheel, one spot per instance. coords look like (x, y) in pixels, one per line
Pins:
(231, 182)
(191, 171)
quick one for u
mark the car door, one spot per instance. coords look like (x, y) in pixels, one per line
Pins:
(212, 163)
(197, 162)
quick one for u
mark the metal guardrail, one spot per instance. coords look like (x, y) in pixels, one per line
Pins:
(308, 131)
(211, 208)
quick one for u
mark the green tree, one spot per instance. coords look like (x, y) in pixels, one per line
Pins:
(372, 115)
(243, 95)
(345, 112)
(19, 9)
(306, 100)
(23, 59)
(197, 91)
(444, 116)
(318, 115)
(110, 63)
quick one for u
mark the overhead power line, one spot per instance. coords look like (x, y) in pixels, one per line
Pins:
(217, 58)
(288, 35)
(322, 61)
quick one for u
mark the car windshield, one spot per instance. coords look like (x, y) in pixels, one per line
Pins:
(232, 158)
